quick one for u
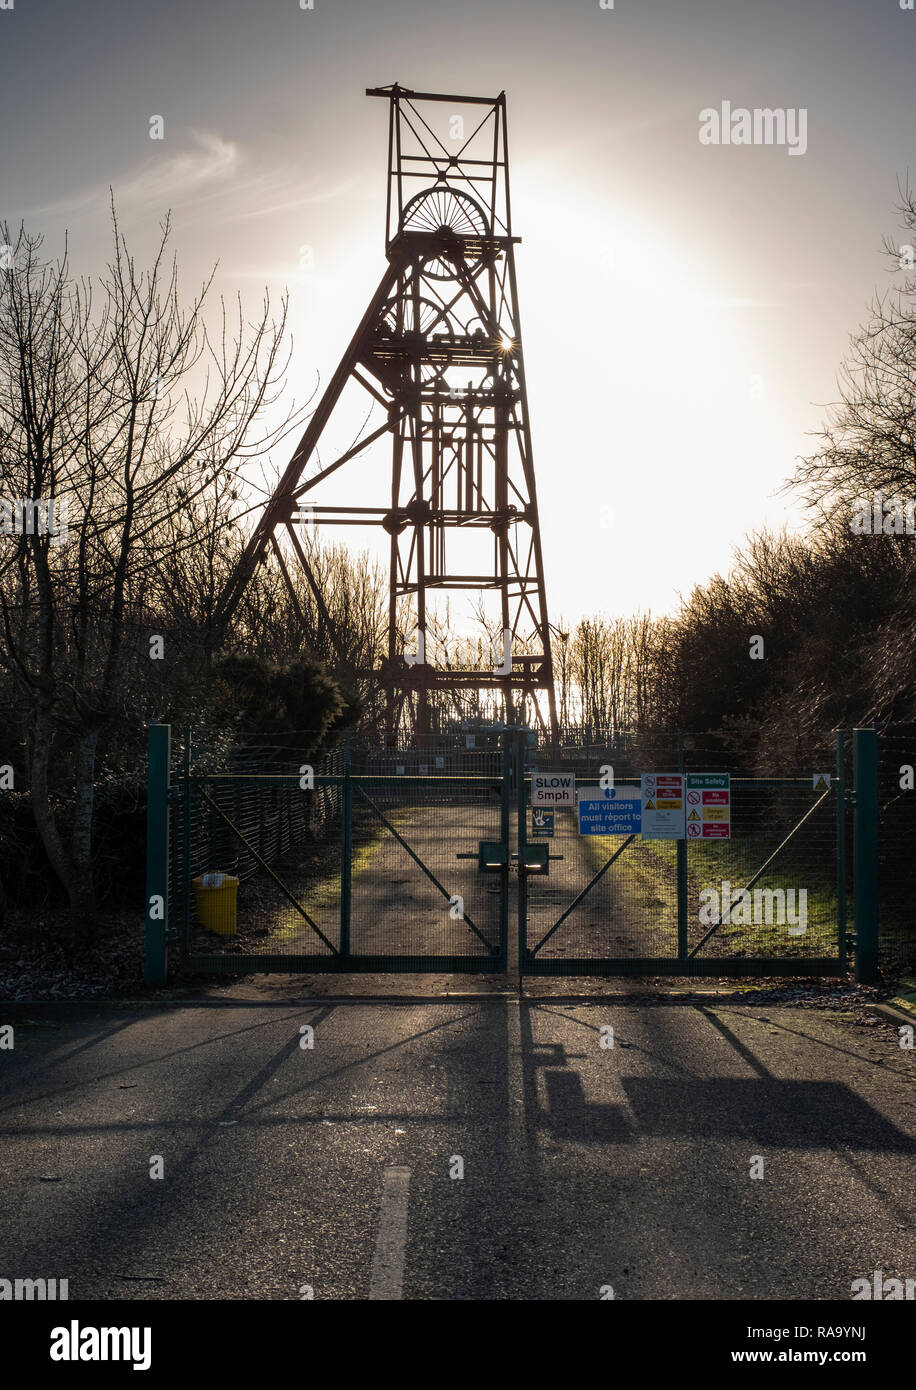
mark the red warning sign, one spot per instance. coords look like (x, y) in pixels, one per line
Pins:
(662, 806)
(713, 790)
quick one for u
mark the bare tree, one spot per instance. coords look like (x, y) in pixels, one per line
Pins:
(97, 412)
(869, 442)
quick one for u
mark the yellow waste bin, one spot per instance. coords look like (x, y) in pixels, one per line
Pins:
(214, 898)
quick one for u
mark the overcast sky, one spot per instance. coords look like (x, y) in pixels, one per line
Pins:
(685, 306)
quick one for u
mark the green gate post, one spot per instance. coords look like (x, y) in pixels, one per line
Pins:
(504, 833)
(865, 851)
(157, 854)
(186, 867)
(520, 739)
(681, 851)
(346, 851)
(841, 847)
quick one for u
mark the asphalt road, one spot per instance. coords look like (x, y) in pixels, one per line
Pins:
(330, 1167)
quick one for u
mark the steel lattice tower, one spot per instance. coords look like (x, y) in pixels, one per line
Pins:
(440, 349)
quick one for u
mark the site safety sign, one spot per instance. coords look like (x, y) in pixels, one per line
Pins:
(709, 810)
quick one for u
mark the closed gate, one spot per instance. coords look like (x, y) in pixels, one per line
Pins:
(417, 860)
(363, 868)
(768, 900)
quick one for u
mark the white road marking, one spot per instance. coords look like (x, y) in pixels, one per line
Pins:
(387, 1279)
(516, 1126)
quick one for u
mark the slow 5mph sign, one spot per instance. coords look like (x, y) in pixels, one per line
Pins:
(553, 789)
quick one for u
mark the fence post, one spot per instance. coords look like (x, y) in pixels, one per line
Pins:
(519, 742)
(841, 847)
(865, 851)
(186, 867)
(346, 852)
(157, 854)
(505, 739)
(681, 853)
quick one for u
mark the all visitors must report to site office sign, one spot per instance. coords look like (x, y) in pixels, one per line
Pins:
(609, 811)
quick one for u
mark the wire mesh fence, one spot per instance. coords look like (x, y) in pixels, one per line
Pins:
(771, 889)
(362, 851)
(242, 811)
(363, 855)
(417, 891)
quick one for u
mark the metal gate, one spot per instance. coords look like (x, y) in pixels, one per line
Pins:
(768, 900)
(369, 867)
(422, 860)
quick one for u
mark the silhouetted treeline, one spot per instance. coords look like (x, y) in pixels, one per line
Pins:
(835, 608)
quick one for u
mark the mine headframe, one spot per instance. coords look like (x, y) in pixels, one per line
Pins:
(439, 352)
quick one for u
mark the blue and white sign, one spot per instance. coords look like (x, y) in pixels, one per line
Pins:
(610, 811)
(542, 822)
